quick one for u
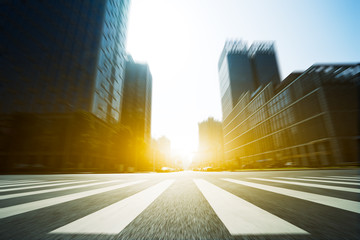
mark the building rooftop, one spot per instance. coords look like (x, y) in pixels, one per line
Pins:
(240, 46)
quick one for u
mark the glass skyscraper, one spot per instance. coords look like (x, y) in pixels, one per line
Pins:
(243, 69)
(136, 111)
(136, 107)
(61, 56)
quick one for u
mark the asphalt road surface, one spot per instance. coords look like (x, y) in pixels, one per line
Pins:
(316, 204)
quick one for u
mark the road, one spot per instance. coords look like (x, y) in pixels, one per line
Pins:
(311, 204)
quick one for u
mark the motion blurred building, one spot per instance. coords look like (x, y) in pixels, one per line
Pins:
(243, 69)
(58, 58)
(310, 119)
(211, 145)
(137, 94)
(136, 105)
(161, 150)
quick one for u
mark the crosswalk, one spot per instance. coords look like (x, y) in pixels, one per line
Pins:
(238, 215)
(31, 206)
(114, 218)
(242, 217)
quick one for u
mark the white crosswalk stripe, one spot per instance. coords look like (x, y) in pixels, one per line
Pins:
(323, 181)
(48, 184)
(335, 179)
(348, 205)
(4, 183)
(6, 188)
(345, 189)
(114, 218)
(14, 195)
(27, 207)
(347, 177)
(242, 217)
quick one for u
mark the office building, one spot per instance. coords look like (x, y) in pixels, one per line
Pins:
(310, 119)
(161, 154)
(62, 56)
(243, 69)
(211, 145)
(136, 106)
(62, 72)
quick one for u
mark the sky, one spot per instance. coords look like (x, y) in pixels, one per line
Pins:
(181, 40)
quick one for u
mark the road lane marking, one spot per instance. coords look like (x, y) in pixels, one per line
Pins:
(114, 218)
(315, 179)
(2, 197)
(27, 184)
(335, 179)
(345, 189)
(52, 184)
(355, 177)
(14, 182)
(27, 207)
(348, 205)
(242, 217)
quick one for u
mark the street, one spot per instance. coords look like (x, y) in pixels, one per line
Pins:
(308, 204)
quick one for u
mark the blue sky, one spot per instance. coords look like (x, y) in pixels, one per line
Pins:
(181, 40)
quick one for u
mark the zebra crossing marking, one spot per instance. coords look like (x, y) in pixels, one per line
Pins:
(27, 207)
(348, 205)
(59, 183)
(321, 180)
(4, 183)
(349, 177)
(345, 189)
(2, 197)
(349, 180)
(114, 218)
(5, 188)
(242, 217)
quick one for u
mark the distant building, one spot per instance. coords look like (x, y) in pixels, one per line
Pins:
(310, 119)
(136, 105)
(63, 56)
(161, 150)
(211, 146)
(243, 69)
(164, 146)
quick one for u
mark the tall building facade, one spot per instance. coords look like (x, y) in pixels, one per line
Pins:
(136, 109)
(310, 119)
(137, 95)
(161, 154)
(62, 66)
(62, 56)
(242, 68)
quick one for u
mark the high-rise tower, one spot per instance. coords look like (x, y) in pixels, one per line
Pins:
(136, 111)
(243, 69)
(62, 56)
(136, 107)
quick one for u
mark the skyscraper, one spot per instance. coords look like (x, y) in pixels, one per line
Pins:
(136, 110)
(62, 56)
(243, 69)
(136, 107)
(211, 144)
(62, 66)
